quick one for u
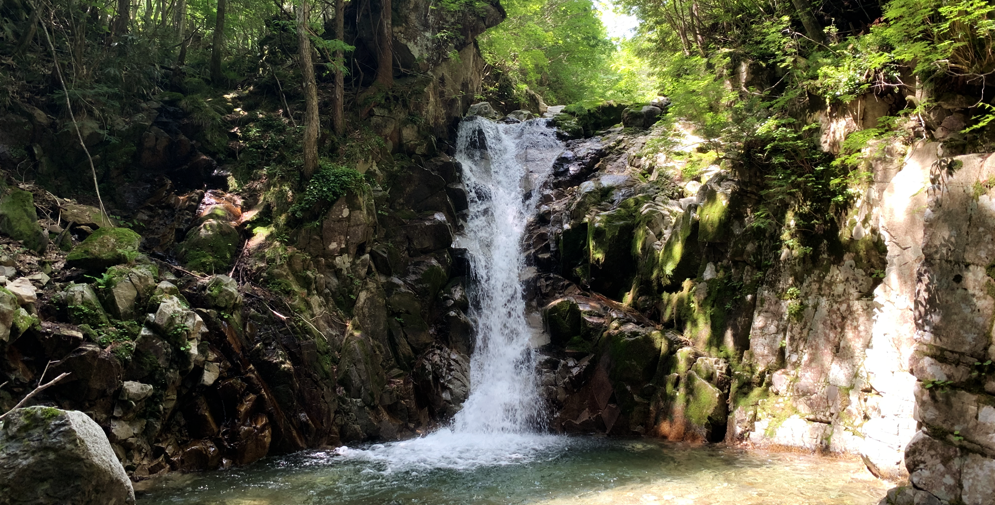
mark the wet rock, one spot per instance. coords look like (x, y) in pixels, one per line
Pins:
(105, 248)
(19, 221)
(442, 377)
(199, 455)
(253, 440)
(568, 126)
(52, 456)
(359, 368)
(199, 420)
(428, 235)
(635, 352)
(562, 320)
(460, 332)
(483, 109)
(520, 115)
(578, 161)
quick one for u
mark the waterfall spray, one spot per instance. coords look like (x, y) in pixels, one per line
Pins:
(501, 164)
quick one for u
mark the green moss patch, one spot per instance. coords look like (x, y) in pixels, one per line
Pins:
(105, 248)
(19, 220)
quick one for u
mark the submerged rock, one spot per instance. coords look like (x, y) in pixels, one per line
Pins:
(52, 456)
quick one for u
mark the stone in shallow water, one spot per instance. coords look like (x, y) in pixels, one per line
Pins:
(52, 456)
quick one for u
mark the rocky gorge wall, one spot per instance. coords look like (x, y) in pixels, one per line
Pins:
(670, 315)
(222, 327)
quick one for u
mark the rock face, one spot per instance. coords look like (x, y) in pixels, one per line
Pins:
(951, 457)
(52, 456)
(664, 322)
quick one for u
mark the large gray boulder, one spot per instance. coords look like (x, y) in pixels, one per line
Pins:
(52, 456)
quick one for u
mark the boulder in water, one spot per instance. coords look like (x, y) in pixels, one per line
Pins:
(52, 456)
(483, 109)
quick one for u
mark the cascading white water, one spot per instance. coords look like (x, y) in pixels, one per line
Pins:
(501, 163)
(500, 422)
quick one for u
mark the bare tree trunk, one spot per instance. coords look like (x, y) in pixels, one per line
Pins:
(123, 17)
(310, 92)
(180, 21)
(338, 94)
(29, 32)
(812, 27)
(385, 48)
(219, 42)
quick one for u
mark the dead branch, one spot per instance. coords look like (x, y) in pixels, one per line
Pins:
(37, 390)
(69, 107)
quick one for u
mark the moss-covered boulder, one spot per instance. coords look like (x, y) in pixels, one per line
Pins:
(127, 286)
(568, 125)
(8, 307)
(635, 352)
(82, 305)
(85, 215)
(210, 247)
(105, 248)
(52, 456)
(562, 320)
(222, 293)
(19, 220)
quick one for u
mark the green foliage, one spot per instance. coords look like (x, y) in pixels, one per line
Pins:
(561, 50)
(325, 188)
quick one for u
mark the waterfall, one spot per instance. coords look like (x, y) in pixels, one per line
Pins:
(500, 423)
(501, 164)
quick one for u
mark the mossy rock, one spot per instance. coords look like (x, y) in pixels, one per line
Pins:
(568, 125)
(83, 306)
(105, 248)
(706, 405)
(210, 247)
(562, 319)
(24, 321)
(635, 352)
(19, 220)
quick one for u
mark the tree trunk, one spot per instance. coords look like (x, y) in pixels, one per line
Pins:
(123, 17)
(310, 92)
(219, 42)
(812, 27)
(338, 94)
(385, 48)
(29, 32)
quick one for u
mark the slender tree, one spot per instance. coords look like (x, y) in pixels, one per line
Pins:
(385, 47)
(219, 41)
(310, 91)
(338, 94)
(812, 27)
(123, 17)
